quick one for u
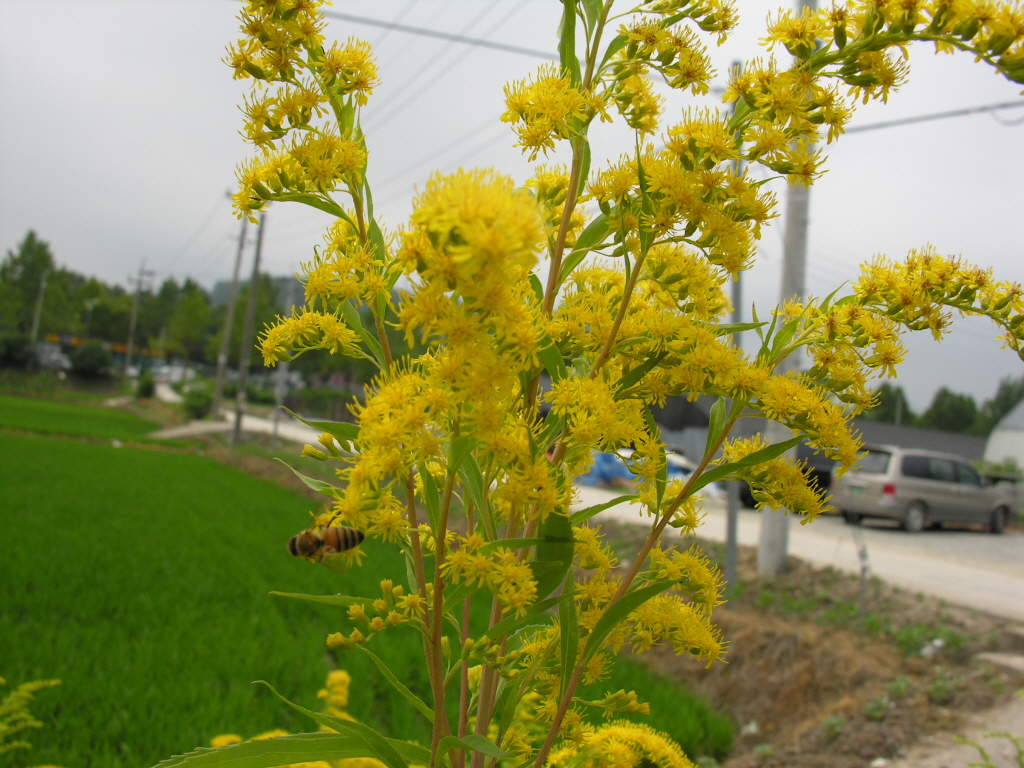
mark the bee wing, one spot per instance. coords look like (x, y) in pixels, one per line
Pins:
(335, 563)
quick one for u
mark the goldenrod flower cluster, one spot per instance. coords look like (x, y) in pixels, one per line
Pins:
(14, 714)
(550, 317)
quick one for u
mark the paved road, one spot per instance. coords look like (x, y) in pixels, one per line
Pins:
(970, 568)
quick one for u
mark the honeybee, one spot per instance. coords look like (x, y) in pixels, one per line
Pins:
(324, 544)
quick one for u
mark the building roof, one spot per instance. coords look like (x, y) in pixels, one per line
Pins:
(878, 433)
(1014, 419)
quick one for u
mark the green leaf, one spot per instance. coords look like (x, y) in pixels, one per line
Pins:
(619, 611)
(551, 358)
(327, 206)
(570, 629)
(617, 44)
(716, 425)
(342, 601)
(397, 684)
(380, 747)
(585, 514)
(511, 623)
(634, 375)
(461, 448)
(757, 457)
(317, 485)
(592, 12)
(538, 288)
(556, 538)
(431, 497)
(352, 319)
(567, 43)
(473, 482)
(377, 240)
(785, 335)
(283, 750)
(342, 430)
(584, 165)
(473, 742)
(589, 238)
(728, 328)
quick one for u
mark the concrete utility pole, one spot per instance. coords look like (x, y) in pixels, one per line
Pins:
(37, 314)
(143, 274)
(773, 544)
(229, 323)
(245, 354)
(282, 372)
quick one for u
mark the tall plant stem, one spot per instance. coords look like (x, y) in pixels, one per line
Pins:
(627, 581)
(417, 564)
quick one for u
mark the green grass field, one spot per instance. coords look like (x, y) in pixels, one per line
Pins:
(141, 580)
(53, 417)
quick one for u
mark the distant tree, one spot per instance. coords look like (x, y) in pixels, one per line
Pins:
(189, 326)
(892, 406)
(950, 411)
(91, 360)
(21, 273)
(1007, 396)
(267, 309)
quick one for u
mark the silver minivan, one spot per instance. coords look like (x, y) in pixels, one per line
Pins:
(919, 488)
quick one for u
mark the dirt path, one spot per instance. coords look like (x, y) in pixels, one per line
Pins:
(941, 751)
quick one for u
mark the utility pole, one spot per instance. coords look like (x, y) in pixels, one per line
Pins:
(773, 543)
(229, 324)
(143, 274)
(37, 314)
(282, 371)
(733, 486)
(245, 354)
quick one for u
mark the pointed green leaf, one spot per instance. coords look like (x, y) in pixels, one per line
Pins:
(589, 238)
(474, 743)
(636, 374)
(431, 497)
(397, 684)
(585, 514)
(511, 623)
(567, 42)
(380, 747)
(618, 612)
(342, 601)
(592, 12)
(352, 319)
(317, 485)
(270, 753)
(461, 448)
(538, 288)
(342, 430)
(730, 328)
(716, 425)
(569, 634)
(757, 457)
(617, 44)
(551, 358)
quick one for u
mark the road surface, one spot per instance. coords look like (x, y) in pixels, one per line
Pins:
(969, 568)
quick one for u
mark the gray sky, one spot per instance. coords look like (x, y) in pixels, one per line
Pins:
(119, 139)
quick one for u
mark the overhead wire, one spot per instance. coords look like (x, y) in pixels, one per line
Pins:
(388, 30)
(422, 69)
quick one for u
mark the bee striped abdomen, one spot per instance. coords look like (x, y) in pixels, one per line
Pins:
(342, 539)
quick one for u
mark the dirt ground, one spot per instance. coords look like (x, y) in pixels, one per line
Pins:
(812, 683)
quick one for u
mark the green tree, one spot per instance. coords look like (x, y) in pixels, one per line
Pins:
(892, 407)
(1009, 393)
(189, 326)
(21, 273)
(950, 411)
(267, 310)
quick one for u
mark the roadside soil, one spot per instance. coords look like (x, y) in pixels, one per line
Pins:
(810, 682)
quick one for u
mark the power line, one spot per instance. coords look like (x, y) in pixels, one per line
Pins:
(441, 35)
(936, 116)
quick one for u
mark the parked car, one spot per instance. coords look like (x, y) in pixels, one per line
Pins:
(919, 489)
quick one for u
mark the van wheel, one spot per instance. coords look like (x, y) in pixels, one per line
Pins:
(852, 518)
(915, 518)
(997, 523)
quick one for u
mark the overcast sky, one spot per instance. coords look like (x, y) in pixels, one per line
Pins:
(118, 141)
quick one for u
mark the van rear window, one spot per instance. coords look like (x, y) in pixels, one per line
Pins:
(875, 463)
